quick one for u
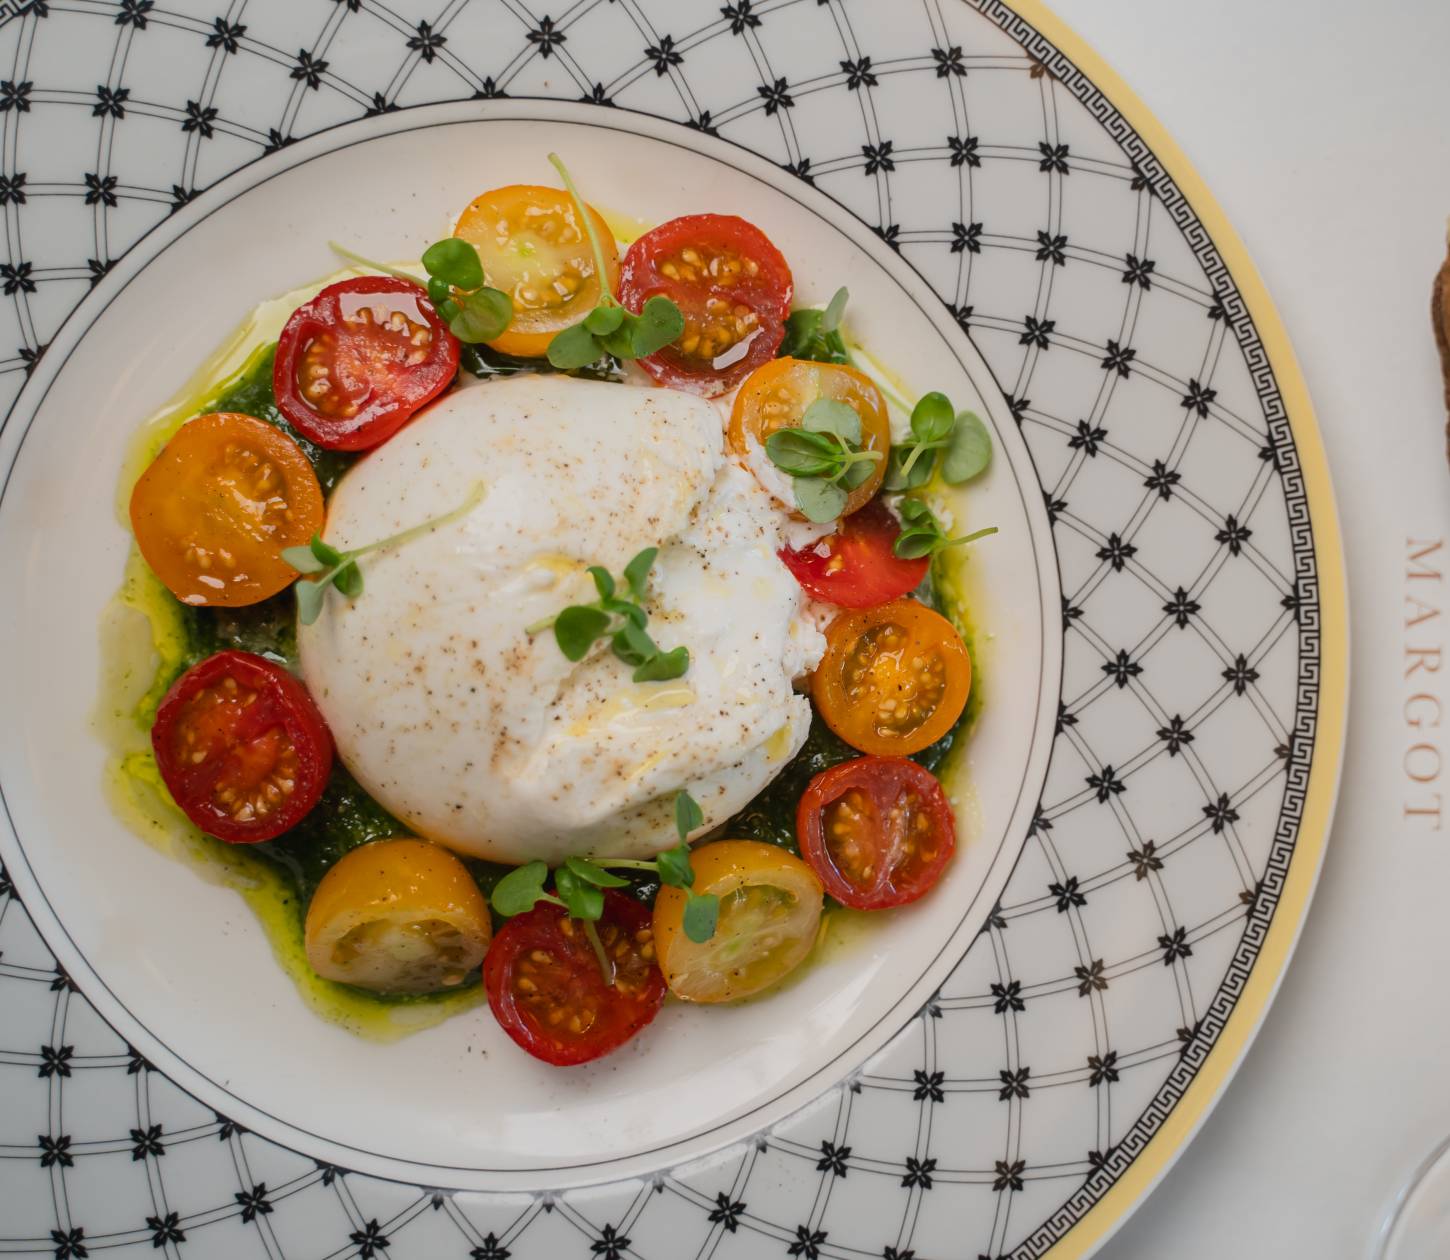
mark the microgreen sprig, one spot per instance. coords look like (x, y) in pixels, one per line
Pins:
(473, 311)
(922, 534)
(609, 329)
(960, 436)
(824, 456)
(620, 620)
(816, 334)
(579, 882)
(324, 565)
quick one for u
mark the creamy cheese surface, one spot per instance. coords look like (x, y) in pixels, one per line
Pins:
(487, 739)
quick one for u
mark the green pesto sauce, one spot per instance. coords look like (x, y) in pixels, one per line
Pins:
(279, 877)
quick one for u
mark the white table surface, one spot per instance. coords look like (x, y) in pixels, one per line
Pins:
(1323, 127)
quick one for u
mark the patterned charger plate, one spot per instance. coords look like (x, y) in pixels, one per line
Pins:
(1074, 1048)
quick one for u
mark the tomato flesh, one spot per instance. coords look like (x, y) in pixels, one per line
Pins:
(732, 286)
(358, 360)
(215, 509)
(878, 831)
(547, 990)
(241, 747)
(777, 396)
(893, 678)
(397, 916)
(535, 247)
(855, 567)
(770, 916)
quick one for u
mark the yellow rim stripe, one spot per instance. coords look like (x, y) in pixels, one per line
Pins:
(1165, 1146)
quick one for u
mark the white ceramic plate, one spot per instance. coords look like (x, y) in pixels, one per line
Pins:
(1070, 1052)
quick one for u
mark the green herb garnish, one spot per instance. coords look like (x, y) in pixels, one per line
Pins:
(960, 437)
(922, 534)
(579, 883)
(816, 334)
(619, 619)
(824, 456)
(473, 311)
(609, 329)
(324, 565)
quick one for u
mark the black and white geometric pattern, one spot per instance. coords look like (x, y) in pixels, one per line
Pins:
(975, 148)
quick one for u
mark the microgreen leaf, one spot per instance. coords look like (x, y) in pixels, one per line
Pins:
(349, 580)
(310, 597)
(622, 621)
(702, 915)
(586, 870)
(802, 454)
(828, 415)
(302, 559)
(901, 477)
(932, 417)
(688, 814)
(328, 555)
(575, 347)
(439, 291)
(603, 582)
(664, 666)
(603, 320)
(674, 866)
(636, 572)
(922, 534)
(576, 629)
(520, 889)
(483, 315)
(835, 310)
(801, 328)
(632, 645)
(455, 262)
(970, 451)
(659, 323)
(857, 474)
(582, 900)
(819, 500)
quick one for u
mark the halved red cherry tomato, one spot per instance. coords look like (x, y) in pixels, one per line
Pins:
(855, 567)
(894, 679)
(731, 284)
(546, 988)
(241, 747)
(878, 831)
(359, 359)
(216, 508)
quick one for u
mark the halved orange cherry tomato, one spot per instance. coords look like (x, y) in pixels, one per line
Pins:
(894, 679)
(878, 831)
(856, 567)
(546, 989)
(535, 248)
(356, 362)
(730, 283)
(776, 397)
(241, 747)
(398, 916)
(770, 915)
(215, 509)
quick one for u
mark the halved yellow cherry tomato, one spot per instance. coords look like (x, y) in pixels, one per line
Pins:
(398, 916)
(770, 915)
(535, 248)
(776, 395)
(214, 511)
(894, 678)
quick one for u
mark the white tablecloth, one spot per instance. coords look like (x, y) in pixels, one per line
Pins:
(1323, 126)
